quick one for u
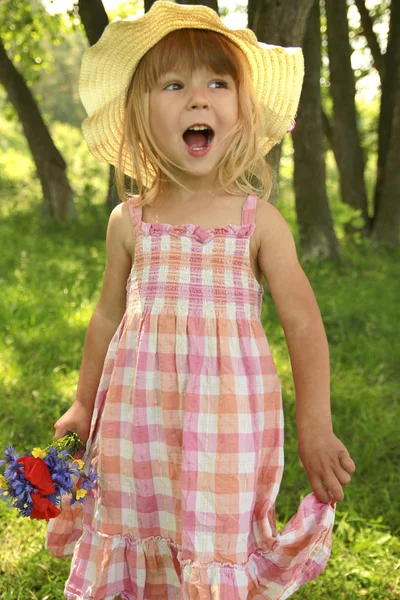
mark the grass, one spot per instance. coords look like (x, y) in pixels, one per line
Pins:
(50, 276)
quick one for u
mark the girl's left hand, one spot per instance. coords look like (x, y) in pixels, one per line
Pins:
(326, 460)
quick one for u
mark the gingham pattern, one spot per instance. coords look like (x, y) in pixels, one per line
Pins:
(187, 437)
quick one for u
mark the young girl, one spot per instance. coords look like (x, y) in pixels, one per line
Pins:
(178, 397)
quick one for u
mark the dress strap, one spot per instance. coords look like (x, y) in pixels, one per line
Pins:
(135, 212)
(249, 209)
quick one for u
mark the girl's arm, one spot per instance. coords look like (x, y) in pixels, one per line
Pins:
(323, 455)
(103, 324)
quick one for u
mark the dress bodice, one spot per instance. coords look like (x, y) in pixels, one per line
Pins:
(189, 269)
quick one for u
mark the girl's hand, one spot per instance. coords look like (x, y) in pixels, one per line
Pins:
(76, 419)
(326, 460)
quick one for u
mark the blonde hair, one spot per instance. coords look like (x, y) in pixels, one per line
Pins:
(243, 168)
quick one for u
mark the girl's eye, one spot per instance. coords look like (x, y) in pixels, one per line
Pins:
(173, 83)
(222, 83)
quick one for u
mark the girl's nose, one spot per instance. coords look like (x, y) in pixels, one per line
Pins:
(198, 99)
(199, 104)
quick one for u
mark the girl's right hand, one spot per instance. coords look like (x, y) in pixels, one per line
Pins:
(76, 419)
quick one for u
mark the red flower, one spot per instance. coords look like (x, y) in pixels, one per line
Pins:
(38, 474)
(43, 508)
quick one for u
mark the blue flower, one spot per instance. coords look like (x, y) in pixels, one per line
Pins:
(63, 470)
(19, 489)
(87, 482)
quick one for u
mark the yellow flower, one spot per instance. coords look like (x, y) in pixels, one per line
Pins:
(80, 463)
(3, 483)
(80, 494)
(39, 453)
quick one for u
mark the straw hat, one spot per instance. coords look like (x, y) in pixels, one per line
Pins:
(107, 68)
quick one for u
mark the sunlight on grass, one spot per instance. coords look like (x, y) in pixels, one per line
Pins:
(28, 571)
(81, 316)
(10, 372)
(20, 538)
(14, 163)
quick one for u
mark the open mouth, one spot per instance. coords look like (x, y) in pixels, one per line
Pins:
(198, 137)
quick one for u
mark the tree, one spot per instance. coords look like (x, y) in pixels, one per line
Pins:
(282, 23)
(94, 19)
(317, 236)
(50, 165)
(386, 226)
(385, 222)
(345, 135)
(368, 30)
(210, 3)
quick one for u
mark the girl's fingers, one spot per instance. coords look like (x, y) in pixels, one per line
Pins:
(334, 477)
(320, 490)
(342, 475)
(329, 486)
(60, 431)
(347, 462)
(333, 486)
(59, 434)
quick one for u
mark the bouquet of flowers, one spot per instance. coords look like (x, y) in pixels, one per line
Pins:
(34, 483)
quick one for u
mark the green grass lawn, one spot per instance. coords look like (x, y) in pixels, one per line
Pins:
(50, 277)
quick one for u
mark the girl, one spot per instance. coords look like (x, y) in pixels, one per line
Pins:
(178, 396)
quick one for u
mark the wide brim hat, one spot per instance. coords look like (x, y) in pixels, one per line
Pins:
(108, 66)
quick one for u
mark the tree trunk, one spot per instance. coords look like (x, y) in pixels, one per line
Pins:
(327, 126)
(279, 22)
(317, 236)
(210, 3)
(148, 4)
(387, 220)
(367, 24)
(94, 20)
(390, 84)
(50, 165)
(346, 138)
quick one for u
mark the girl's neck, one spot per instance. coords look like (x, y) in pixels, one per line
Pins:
(175, 195)
(209, 212)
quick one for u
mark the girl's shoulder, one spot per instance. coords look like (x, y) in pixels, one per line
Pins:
(262, 219)
(121, 220)
(269, 220)
(276, 241)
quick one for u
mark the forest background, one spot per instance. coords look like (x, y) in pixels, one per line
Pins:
(338, 176)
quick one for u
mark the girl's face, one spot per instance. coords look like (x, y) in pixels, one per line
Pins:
(179, 101)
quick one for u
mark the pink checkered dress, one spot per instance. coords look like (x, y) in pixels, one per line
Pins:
(187, 437)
